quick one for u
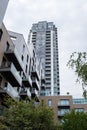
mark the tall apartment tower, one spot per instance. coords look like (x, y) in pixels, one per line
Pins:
(43, 35)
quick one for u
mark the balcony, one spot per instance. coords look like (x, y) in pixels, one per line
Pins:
(64, 103)
(13, 56)
(35, 73)
(43, 86)
(62, 112)
(35, 84)
(24, 94)
(11, 74)
(34, 94)
(9, 91)
(27, 82)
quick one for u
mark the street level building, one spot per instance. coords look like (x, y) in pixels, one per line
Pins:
(64, 104)
(43, 36)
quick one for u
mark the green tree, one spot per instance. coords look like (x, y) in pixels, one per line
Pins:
(74, 121)
(78, 62)
(3, 125)
(28, 116)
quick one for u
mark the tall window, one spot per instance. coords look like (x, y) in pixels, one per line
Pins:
(0, 80)
(27, 58)
(1, 32)
(7, 46)
(49, 102)
(22, 57)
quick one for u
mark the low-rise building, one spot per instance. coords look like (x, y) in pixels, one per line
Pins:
(64, 104)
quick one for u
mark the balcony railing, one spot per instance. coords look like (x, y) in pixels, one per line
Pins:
(25, 94)
(11, 74)
(35, 84)
(61, 113)
(34, 92)
(35, 73)
(13, 56)
(63, 104)
(27, 81)
(10, 91)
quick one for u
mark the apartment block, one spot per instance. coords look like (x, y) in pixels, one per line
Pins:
(43, 36)
(3, 6)
(20, 69)
(64, 104)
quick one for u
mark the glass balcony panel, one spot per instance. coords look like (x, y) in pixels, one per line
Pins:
(16, 74)
(27, 81)
(11, 91)
(11, 74)
(36, 84)
(13, 56)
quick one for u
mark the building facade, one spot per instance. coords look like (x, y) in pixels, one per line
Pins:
(64, 104)
(43, 35)
(20, 69)
(3, 6)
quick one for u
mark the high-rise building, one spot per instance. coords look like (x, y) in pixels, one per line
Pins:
(43, 35)
(3, 6)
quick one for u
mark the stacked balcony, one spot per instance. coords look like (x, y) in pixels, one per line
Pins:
(25, 94)
(34, 94)
(11, 74)
(35, 73)
(61, 112)
(27, 82)
(65, 104)
(43, 84)
(13, 56)
(9, 91)
(35, 84)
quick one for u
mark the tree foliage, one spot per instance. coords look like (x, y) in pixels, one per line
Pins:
(78, 62)
(28, 116)
(74, 121)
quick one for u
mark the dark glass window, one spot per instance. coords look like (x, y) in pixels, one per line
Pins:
(0, 80)
(1, 32)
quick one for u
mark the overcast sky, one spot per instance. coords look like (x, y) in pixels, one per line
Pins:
(69, 16)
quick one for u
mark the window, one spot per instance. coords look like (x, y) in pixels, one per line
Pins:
(1, 32)
(22, 57)
(0, 80)
(63, 111)
(64, 102)
(80, 101)
(49, 102)
(30, 66)
(79, 109)
(7, 46)
(26, 69)
(27, 58)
